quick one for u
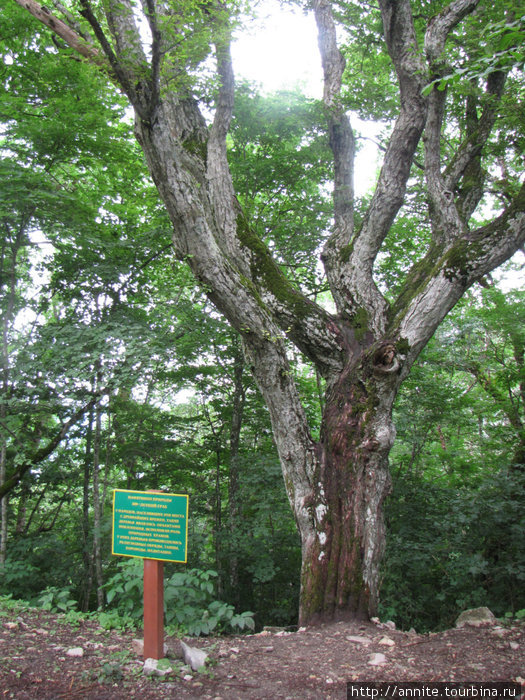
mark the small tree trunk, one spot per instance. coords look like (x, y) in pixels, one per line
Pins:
(233, 481)
(21, 514)
(97, 509)
(87, 560)
(4, 503)
(217, 524)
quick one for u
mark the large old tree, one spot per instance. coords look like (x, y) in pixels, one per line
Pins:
(366, 346)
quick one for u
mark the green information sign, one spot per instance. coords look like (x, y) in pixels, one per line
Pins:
(150, 525)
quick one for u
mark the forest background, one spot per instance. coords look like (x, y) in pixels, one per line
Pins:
(117, 372)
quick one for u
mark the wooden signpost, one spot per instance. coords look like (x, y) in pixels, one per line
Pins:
(152, 525)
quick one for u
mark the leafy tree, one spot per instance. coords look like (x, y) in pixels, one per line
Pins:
(456, 512)
(454, 130)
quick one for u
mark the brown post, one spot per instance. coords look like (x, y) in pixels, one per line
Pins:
(153, 609)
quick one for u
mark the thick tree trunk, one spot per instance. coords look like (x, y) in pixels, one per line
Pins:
(343, 549)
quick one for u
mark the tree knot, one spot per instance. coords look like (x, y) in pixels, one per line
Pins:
(385, 360)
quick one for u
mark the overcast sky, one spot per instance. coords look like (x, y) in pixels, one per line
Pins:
(278, 49)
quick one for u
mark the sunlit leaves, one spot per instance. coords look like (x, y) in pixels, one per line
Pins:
(281, 167)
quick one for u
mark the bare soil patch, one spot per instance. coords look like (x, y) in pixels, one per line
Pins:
(315, 662)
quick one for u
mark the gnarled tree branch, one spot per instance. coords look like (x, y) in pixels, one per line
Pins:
(65, 32)
(342, 143)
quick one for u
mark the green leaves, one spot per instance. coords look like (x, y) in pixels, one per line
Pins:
(281, 169)
(457, 509)
(450, 549)
(189, 600)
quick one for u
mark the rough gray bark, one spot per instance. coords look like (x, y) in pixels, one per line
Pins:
(336, 485)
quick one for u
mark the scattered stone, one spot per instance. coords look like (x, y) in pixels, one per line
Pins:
(196, 658)
(375, 620)
(234, 650)
(514, 646)
(11, 625)
(267, 649)
(387, 642)
(377, 660)
(156, 667)
(356, 639)
(390, 624)
(187, 677)
(42, 631)
(93, 645)
(137, 647)
(476, 618)
(76, 652)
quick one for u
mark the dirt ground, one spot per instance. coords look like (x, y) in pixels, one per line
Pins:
(314, 662)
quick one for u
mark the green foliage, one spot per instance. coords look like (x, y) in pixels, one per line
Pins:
(125, 588)
(189, 601)
(115, 620)
(190, 605)
(56, 600)
(17, 577)
(8, 603)
(281, 168)
(452, 548)
(501, 45)
(32, 565)
(518, 615)
(456, 513)
(110, 673)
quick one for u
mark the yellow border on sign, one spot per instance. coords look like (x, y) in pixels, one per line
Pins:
(138, 556)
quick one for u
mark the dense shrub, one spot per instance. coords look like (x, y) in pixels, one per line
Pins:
(452, 548)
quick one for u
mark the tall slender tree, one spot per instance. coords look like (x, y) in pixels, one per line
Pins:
(366, 347)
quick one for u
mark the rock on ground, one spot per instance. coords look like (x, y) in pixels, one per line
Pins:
(476, 617)
(196, 658)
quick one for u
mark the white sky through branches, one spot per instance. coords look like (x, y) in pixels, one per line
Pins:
(278, 50)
